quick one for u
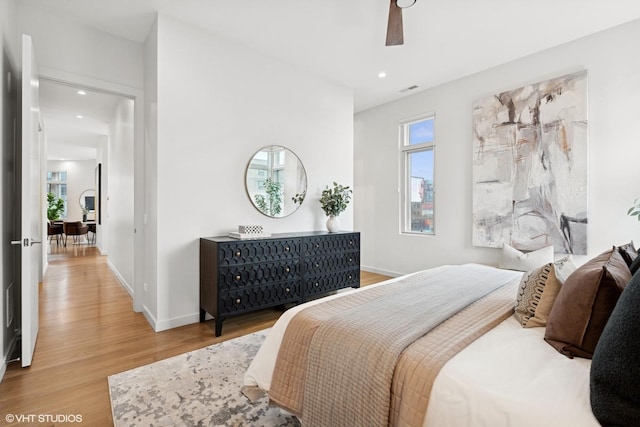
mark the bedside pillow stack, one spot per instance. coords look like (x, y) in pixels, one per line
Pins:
(584, 304)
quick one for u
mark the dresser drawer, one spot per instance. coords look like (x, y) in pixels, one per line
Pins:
(238, 253)
(338, 261)
(322, 245)
(318, 284)
(252, 298)
(258, 274)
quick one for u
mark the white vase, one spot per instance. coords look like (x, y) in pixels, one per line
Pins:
(333, 224)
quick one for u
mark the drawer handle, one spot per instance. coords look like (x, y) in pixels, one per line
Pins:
(238, 253)
(317, 245)
(238, 278)
(350, 277)
(287, 290)
(317, 265)
(286, 248)
(287, 269)
(238, 301)
(350, 259)
(351, 242)
(317, 284)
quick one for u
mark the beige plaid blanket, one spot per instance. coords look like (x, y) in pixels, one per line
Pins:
(379, 369)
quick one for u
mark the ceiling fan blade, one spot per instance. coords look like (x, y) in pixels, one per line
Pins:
(394, 27)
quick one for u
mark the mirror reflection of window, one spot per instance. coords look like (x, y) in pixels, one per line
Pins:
(276, 181)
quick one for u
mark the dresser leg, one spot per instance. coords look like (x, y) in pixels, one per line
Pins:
(218, 326)
(203, 314)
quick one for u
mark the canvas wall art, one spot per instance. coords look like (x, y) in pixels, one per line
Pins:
(530, 166)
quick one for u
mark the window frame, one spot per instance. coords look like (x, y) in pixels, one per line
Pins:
(405, 150)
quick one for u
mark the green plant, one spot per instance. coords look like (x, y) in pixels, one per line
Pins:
(335, 200)
(55, 207)
(635, 209)
(271, 204)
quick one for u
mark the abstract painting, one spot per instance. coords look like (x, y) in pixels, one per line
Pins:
(530, 166)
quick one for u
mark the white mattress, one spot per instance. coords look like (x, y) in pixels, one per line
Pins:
(508, 377)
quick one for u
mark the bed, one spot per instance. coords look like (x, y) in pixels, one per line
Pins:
(501, 374)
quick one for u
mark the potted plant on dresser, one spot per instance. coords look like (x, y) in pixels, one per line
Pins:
(334, 201)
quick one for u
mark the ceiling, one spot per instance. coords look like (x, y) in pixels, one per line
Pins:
(73, 122)
(343, 40)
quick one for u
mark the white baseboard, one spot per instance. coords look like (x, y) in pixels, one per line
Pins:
(379, 271)
(176, 322)
(121, 279)
(150, 318)
(163, 325)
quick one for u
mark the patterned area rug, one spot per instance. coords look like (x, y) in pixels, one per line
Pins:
(199, 388)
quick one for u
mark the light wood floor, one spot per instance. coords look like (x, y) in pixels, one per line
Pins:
(89, 331)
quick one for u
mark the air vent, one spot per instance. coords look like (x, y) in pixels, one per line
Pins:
(409, 88)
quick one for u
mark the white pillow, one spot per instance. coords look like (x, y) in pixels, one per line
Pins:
(513, 259)
(564, 267)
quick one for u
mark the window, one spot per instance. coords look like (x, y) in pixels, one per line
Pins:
(417, 144)
(57, 184)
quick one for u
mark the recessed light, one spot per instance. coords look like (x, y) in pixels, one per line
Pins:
(78, 116)
(81, 92)
(382, 75)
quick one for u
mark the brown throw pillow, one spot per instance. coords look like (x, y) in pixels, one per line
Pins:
(585, 303)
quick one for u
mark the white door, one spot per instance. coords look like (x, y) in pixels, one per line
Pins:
(32, 209)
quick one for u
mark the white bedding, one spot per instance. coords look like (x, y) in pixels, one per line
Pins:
(508, 377)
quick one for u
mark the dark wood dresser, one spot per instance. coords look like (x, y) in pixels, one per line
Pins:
(240, 276)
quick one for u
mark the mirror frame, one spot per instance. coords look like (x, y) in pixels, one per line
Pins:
(288, 199)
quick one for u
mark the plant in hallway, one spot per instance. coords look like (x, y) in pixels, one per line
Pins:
(55, 207)
(334, 201)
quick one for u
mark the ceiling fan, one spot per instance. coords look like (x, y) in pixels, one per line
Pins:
(395, 36)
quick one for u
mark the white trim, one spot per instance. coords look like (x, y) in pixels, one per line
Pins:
(127, 287)
(150, 318)
(176, 322)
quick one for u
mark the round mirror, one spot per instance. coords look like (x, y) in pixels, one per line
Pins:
(276, 181)
(88, 200)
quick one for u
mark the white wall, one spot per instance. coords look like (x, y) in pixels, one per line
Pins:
(80, 177)
(218, 103)
(614, 87)
(65, 45)
(118, 213)
(150, 294)
(8, 64)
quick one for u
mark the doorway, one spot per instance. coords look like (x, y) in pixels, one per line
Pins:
(90, 165)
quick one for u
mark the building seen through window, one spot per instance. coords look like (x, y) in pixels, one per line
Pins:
(417, 159)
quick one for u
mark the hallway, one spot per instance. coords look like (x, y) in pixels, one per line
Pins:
(89, 331)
